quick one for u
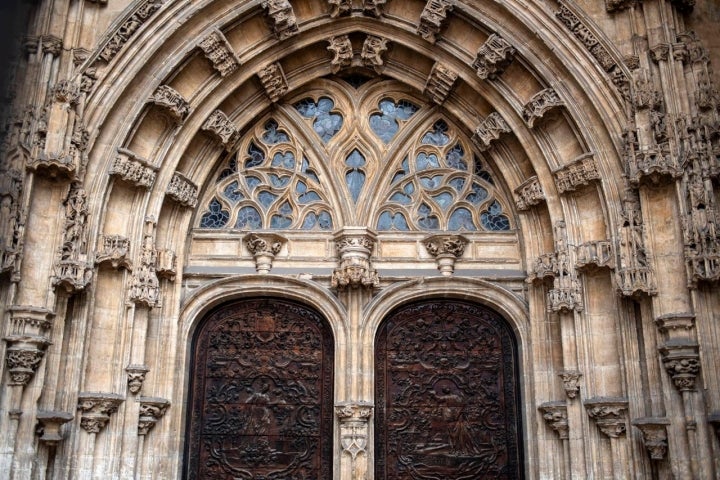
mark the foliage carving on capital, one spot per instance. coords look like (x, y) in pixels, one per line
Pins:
(433, 18)
(96, 408)
(281, 17)
(682, 362)
(446, 249)
(220, 53)
(133, 169)
(580, 172)
(221, 128)
(555, 415)
(372, 53)
(23, 356)
(571, 382)
(609, 414)
(127, 29)
(493, 57)
(264, 247)
(171, 100)
(340, 8)
(182, 190)
(440, 82)
(273, 81)
(152, 409)
(73, 272)
(654, 432)
(342, 51)
(528, 194)
(51, 44)
(540, 103)
(489, 130)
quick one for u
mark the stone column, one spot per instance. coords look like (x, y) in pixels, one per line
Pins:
(446, 249)
(152, 409)
(555, 415)
(354, 429)
(264, 247)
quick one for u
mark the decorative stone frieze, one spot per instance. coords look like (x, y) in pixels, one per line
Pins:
(654, 431)
(439, 83)
(133, 169)
(580, 172)
(446, 249)
(340, 8)
(12, 221)
(682, 362)
(114, 249)
(528, 194)
(136, 377)
(50, 424)
(373, 8)
(174, 103)
(219, 126)
(73, 271)
(609, 414)
(145, 286)
(372, 53)
(220, 53)
(273, 81)
(281, 18)
(96, 408)
(571, 382)
(152, 409)
(166, 264)
(597, 254)
(264, 247)
(489, 131)
(540, 103)
(354, 246)
(342, 51)
(433, 18)
(634, 275)
(555, 415)
(128, 28)
(182, 190)
(493, 57)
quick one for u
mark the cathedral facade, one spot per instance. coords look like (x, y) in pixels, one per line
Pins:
(361, 239)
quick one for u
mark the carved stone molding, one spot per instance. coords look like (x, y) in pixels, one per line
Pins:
(540, 103)
(273, 81)
(372, 53)
(446, 249)
(529, 193)
(373, 8)
(152, 409)
(222, 56)
(354, 246)
(354, 420)
(555, 415)
(571, 382)
(433, 18)
(340, 8)
(489, 130)
(50, 423)
(133, 169)
(220, 127)
(341, 48)
(281, 18)
(597, 254)
(114, 249)
(144, 285)
(582, 171)
(128, 28)
(609, 414)
(96, 408)
(634, 274)
(136, 377)
(73, 271)
(264, 247)
(182, 190)
(682, 362)
(23, 356)
(439, 83)
(654, 431)
(493, 57)
(174, 103)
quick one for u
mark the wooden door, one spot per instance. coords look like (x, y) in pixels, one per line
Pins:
(446, 394)
(261, 394)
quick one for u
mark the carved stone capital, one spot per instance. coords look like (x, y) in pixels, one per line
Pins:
(96, 408)
(219, 126)
(654, 430)
(136, 377)
(493, 57)
(580, 172)
(489, 130)
(182, 190)
(571, 382)
(439, 83)
(171, 100)
(433, 18)
(528, 194)
(281, 18)
(446, 249)
(264, 247)
(354, 246)
(133, 169)
(682, 362)
(609, 414)
(540, 103)
(114, 249)
(354, 420)
(152, 410)
(273, 81)
(23, 356)
(372, 53)
(555, 415)
(341, 48)
(50, 423)
(660, 52)
(51, 44)
(222, 56)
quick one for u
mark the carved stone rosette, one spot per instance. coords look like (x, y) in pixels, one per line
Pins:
(682, 362)
(555, 415)
(341, 48)
(50, 423)
(136, 377)
(446, 249)
(654, 432)
(27, 342)
(571, 382)
(609, 414)
(114, 250)
(264, 247)
(354, 246)
(372, 53)
(152, 410)
(96, 408)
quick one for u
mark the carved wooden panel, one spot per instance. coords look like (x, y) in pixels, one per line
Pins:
(261, 397)
(446, 395)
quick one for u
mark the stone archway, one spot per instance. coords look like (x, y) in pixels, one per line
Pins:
(261, 393)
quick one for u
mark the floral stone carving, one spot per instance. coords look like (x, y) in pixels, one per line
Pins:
(654, 432)
(174, 103)
(152, 409)
(609, 414)
(264, 247)
(128, 28)
(182, 190)
(555, 415)
(446, 249)
(682, 362)
(433, 18)
(23, 356)
(222, 56)
(96, 408)
(582, 171)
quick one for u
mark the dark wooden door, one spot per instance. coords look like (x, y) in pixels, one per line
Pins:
(446, 394)
(261, 394)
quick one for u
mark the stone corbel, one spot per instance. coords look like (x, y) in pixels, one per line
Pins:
(581, 172)
(354, 422)
(439, 83)
(609, 414)
(540, 103)
(433, 18)
(115, 250)
(528, 194)
(682, 362)
(354, 246)
(654, 431)
(136, 377)
(489, 130)
(281, 18)
(26, 344)
(264, 247)
(171, 100)
(182, 190)
(372, 53)
(571, 382)
(493, 57)
(219, 126)
(50, 423)
(222, 56)
(152, 410)
(133, 169)
(273, 81)
(166, 264)
(555, 415)
(597, 254)
(341, 48)
(446, 249)
(96, 408)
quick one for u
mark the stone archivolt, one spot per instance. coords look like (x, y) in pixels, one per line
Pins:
(128, 28)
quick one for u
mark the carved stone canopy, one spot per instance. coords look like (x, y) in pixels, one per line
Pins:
(609, 414)
(446, 249)
(50, 423)
(555, 415)
(654, 430)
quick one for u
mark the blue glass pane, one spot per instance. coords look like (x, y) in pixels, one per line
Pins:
(306, 107)
(385, 124)
(273, 135)
(477, 194)
(425, 219)
(248, 217)
(326, 124)
(425, 161)
(355, 180)
(431, 182)
(284, 160)
(284, 219)
(355, 160)
(390, 221)
(325, 220)
(216, 217)
(308, 197)
(305, 168)
(482, 173)
(232, 193)
(493, 219)
(255, 156)
(437, 136)
(309, 222)
(444, 200)
(325, 105)
(457, 183)
(405, 109)
(279, 181)
(400, 197)
(231, 168)
(461, 219)
(252, 182)
(402, 173)
(455, 157)
(384, 127)
(266, 198)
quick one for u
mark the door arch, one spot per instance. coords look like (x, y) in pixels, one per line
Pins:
(261, 393)
(446, 394)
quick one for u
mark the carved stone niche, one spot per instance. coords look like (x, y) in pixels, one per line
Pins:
(433, 18)
(50, 423)
(555, 415)
(493, 57)
(27, 341)
(571, 382)
(136, 377)
(540, 103)
(171, 100)
(609, 414)
(264, 247)
(133, 169)
(281, 18)
(528, 194)
(114, 250)
(654, 431)
(152, 409)
(354, 246)
(96, 408)
(682, 362)
(446, 249)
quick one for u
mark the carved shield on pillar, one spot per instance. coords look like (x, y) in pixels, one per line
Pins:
(446, 394)
(261, 394)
